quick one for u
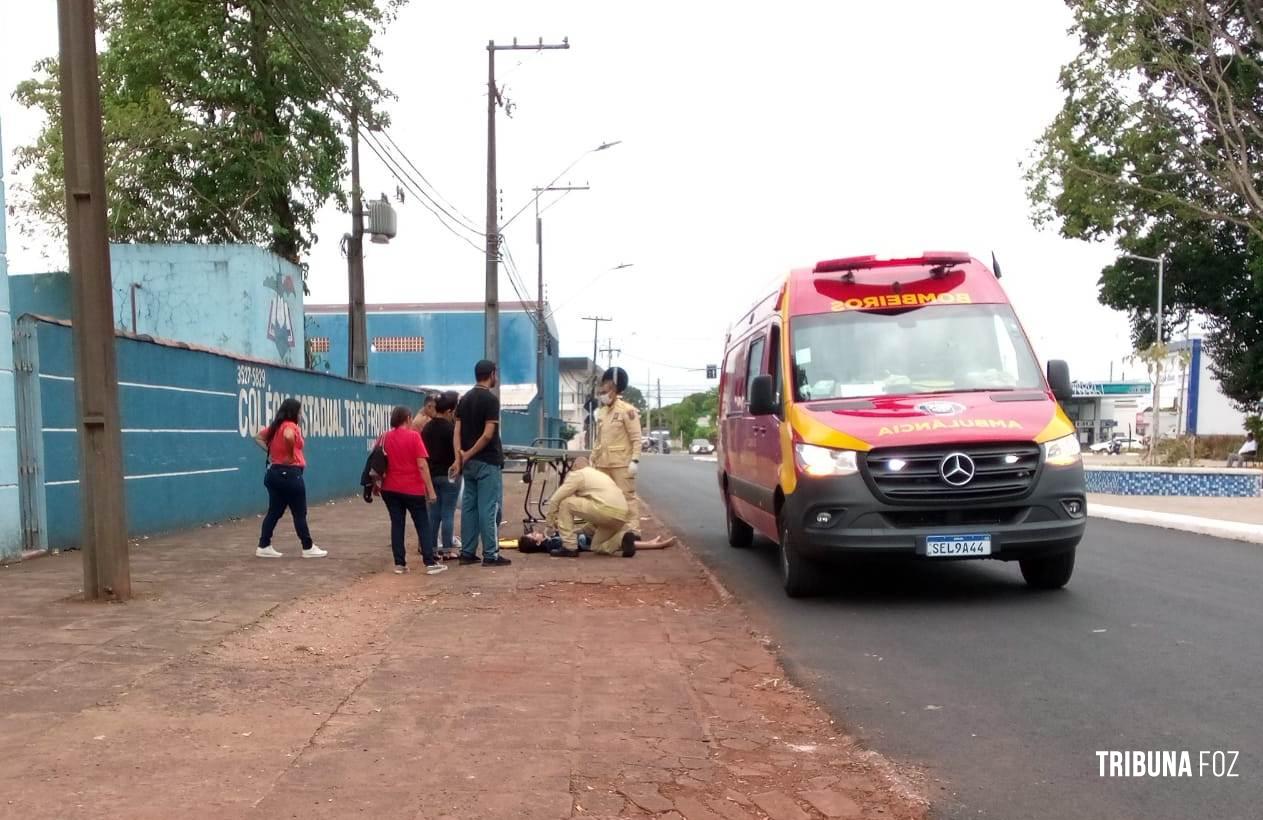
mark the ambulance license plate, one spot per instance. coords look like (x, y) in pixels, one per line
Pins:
(957, 546)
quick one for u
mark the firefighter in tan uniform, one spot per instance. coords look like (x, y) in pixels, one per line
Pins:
(590, 496)
(617, 450)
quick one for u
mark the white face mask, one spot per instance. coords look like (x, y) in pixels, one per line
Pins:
(606, 399)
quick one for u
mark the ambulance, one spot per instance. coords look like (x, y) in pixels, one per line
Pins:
(894, 407)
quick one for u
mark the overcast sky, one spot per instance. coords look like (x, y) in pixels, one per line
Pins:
(755, 138)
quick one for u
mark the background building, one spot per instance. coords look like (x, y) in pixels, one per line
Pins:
(237, 299)
(1101, 409)
(1193, 393)
(578, 375)
(436, 346)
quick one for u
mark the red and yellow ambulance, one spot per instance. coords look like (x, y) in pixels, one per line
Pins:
(895, 407)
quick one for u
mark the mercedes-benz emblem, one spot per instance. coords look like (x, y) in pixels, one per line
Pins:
(957, 469)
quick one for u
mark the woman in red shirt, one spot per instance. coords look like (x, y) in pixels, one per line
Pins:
(406, 488)
(283, 441)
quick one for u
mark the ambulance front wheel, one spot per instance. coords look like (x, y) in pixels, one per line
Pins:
(1048, 571)
(801, 576)
(740, 534)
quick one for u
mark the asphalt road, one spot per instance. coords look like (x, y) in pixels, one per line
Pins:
(1003, 695)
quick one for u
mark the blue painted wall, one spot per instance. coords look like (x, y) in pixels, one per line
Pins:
(188, 417)
(226, 297)
(10, 502)
(453, 344)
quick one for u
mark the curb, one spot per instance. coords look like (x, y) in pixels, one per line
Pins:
(1232, 530)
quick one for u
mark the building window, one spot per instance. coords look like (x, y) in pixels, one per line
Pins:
(399, 344)
(319, 344)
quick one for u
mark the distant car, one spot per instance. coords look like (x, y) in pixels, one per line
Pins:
(701, 446)
(1117, 445)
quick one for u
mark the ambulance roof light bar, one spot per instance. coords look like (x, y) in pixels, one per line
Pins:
(851, 264)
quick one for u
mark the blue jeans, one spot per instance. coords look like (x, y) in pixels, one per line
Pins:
(286, 490)
(443, 512)
(480, 510)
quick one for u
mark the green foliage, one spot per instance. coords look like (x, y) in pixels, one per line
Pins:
(217, 128)
(681, 419)
(1156, 146)
(635, 398)
(569, 431)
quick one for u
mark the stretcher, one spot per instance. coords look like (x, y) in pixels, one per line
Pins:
(544, 465)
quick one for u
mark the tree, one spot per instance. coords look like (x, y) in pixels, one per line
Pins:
(681, 419)
(635, 398)
(1157, 146)
(219, 121)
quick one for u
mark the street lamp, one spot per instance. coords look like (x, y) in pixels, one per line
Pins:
(541, 330)
(1160, 261)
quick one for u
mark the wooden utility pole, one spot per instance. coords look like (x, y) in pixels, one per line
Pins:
(357, 319)
(106, 568)
(491, 330)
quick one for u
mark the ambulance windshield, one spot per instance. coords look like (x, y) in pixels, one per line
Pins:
(930, 349)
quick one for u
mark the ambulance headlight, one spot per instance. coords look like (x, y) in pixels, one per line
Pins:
(1063, 452)
(824, 461)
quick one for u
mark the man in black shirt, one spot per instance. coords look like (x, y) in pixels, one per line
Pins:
(479, 459)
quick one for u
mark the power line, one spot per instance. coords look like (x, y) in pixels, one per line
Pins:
(338, 100)
(467, 223)
(393, 167)
(515, 279)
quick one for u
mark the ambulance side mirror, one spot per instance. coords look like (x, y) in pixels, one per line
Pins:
(1059, 380)
(762, 396)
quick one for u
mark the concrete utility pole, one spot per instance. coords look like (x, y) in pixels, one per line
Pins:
(596, 379)
(106, 568)
(609, 350)
(648, 388)
(660, 405)
(491, 346)
(357, 320)
(541, 330)
(1160, 261)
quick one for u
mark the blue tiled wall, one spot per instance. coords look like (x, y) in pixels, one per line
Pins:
(1171, 482)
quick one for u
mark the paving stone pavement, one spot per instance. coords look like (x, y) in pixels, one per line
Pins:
(555, 688)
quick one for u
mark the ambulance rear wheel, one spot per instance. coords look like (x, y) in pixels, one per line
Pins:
(740, 534)
(801, 576)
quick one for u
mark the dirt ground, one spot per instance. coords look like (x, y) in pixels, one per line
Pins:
(555, 688)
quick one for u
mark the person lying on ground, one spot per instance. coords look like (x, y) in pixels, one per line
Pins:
(552, 544)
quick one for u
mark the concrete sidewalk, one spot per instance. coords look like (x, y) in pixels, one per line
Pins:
(239, 687)
(1239, 519)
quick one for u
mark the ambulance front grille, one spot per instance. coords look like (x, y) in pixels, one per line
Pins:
(915, 474)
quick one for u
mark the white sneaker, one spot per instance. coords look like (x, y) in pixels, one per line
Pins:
(267, 552)
(455, 543)
(435, 569)
(314, 552)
